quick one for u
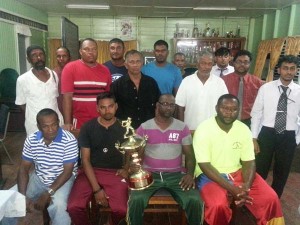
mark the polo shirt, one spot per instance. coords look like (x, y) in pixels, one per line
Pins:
(223, 150)
(49, 160)
(199, 99)
(167, 77)
(163, 152)
(138, 104)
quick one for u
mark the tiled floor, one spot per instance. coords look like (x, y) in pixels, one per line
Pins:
(290, 199)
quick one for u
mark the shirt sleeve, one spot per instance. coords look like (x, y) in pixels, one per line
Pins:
(67, 79)
(178, 78)
(180, 98)
(247, 154)
(20, 93)
(83, 139)
(201, 144)
(257, 113)
(27, 153)
(71, 151)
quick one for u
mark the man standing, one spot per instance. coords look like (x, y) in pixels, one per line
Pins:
(168, 138)
(136, 93)
(82, 81)
(37, 89)
(199, 92)
(222, 58)
(274, 127)
(103, 171)
(63, 57)
(116, 64)
(224, 152)
(243, 85)
(53, 152)
(167, 75)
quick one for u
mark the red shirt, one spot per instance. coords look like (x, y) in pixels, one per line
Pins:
(251, 85)
(85, 83)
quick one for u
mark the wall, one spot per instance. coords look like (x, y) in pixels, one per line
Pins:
(8, 36)
(145, 30)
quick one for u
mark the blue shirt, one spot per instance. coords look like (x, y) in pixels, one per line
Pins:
(49, 160)
(167, 77)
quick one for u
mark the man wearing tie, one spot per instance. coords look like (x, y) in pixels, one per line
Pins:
(243, 84)
(274, 123)
(222, 59)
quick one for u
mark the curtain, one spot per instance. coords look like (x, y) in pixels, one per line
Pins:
(53, 44)
(276, 48)
(292, 46)
(264, 49)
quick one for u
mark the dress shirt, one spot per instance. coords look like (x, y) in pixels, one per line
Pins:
(251, 86)
(217, 70)
(265, 107)
(138, 104)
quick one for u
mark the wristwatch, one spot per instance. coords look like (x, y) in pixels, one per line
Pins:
(51, 191)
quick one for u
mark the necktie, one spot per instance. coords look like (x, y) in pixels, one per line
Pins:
(221, 72)
(280, 119)
(240, 96)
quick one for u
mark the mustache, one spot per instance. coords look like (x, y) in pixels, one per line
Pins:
(40, 65)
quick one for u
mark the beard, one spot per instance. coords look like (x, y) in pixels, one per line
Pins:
(39, 65)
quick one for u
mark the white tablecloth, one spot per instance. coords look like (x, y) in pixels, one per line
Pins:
(12, 204)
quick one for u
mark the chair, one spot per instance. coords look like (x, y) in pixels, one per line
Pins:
(4, 118)
(160, 202)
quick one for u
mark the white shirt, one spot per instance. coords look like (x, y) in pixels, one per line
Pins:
(265, 106)
(216, 70)
(37, 95)
(199, 99)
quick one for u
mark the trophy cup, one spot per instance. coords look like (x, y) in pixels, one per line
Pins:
(140, 179)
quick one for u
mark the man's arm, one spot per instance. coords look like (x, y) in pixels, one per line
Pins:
(180, 112)
(187, 182)
(99, 193)
(23, 176)
(248, 172)
(67, 111)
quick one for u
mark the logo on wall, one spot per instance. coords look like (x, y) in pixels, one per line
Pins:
(126, 28)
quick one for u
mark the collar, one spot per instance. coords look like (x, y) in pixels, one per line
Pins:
(290, 86)
(223, 68)
(58, 137)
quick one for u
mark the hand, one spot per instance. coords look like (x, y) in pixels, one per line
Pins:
(256, 146)
(68, 127)
(29, 205)
(241, 195)
(123, 173)
(101, 198)
(42, 201)
(187, 182)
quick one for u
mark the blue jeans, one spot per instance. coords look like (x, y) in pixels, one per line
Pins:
(57, 208)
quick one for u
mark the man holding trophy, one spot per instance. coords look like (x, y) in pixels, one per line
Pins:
(167, 139)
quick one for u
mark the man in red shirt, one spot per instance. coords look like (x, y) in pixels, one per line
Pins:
(82, 81)
(243, 84)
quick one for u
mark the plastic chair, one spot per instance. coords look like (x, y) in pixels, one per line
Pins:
(4, 118)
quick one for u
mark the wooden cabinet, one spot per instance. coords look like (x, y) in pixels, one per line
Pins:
(192, 46)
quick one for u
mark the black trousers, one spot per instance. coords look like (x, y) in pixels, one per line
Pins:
(282, 148)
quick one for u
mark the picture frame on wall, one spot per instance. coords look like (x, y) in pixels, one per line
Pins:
(149, 59)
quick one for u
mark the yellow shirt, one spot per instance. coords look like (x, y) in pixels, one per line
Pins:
(223, 150)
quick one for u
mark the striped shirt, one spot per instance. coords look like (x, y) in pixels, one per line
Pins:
(163, 152)
(85, 83)
(49, 160)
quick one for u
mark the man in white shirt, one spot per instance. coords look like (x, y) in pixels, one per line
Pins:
(198, 93)
(222, 58)
(37, 89)
(274, 126)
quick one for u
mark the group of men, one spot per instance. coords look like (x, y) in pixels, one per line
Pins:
(214, 104)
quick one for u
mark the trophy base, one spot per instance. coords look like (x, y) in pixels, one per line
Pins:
(140, 181)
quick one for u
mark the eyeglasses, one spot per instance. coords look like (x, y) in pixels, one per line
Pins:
(166, 104)
(246, 63)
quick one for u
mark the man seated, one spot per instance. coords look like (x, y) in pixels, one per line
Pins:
(53, 152)
(225, 154)
(167, 139)
(102, 174)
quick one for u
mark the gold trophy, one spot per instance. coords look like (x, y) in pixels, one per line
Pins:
(140, 179)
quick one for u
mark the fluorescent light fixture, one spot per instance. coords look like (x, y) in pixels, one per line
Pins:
(214, 8)
(74, 6)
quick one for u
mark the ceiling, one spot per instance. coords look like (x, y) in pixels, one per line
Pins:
(164, 8)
